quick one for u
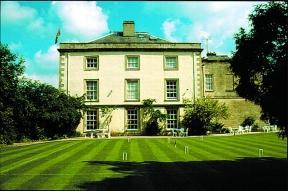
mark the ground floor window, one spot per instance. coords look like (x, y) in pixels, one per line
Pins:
(132, 119)
(172, 119)
(92, 119)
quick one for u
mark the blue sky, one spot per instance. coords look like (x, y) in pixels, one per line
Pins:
(29, 28)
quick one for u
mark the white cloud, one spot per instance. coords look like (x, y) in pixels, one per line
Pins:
(49, 58)
(15, 46)
(13, 12)
(49, 79)
(169, 27)
(82, 19)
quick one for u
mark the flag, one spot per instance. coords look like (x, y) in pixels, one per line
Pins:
(57, 36)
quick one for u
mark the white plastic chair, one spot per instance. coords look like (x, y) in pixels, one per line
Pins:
(174, 132)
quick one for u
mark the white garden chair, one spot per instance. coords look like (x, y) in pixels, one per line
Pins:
(241, 129)
(174, 132)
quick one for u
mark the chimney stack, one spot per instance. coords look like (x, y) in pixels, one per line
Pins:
(128, 28)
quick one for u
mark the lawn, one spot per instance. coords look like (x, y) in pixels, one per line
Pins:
(213, 163)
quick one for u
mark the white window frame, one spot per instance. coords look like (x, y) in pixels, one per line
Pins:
(168, 64)
(129, 63)
(91, 65)
(172, 119)
(209, 82)
(171, 89)
(132, 119)
(92, 92)
(129, 92)
(92, 120)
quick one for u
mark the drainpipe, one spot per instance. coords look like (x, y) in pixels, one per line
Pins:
(67, 74)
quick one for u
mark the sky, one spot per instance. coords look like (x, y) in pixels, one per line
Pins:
(29, 28)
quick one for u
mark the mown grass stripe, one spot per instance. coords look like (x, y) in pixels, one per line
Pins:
(46, 182)
(31, 173)
(11, 157)
(94, 165)
(176, 167)
(211, 148)
(223, 150)
(248, 149)
(262, 141)
(33, 159)
(272, 150)
(75, 168)
(195, 151)
(15, 149)
(146, 151)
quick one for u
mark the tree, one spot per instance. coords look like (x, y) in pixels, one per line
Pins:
(46, 111)
(10, 69)
(260, 61)
(202, 115)
(30, 109)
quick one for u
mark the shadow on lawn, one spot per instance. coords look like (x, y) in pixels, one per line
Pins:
(242, 174)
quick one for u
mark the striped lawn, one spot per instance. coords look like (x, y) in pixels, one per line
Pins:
(212, 163)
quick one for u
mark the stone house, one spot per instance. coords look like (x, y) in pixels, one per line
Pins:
(121, 69)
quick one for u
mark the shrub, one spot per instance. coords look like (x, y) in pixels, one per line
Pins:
(225, 130)
(248, 121)
(151, 118)
(215, 127)
(201, 114)
(255, 127)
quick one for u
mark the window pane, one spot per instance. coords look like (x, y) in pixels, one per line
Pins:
(171, 120)
(132, 118)
(132, 90)
(91, 90)
(132, 62)
(92, 63)
(171, 63)
(91, 120)
(209, 82)
(171, 89)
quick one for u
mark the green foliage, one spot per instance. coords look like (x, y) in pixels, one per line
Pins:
(106, 113)
(201, 115)
(260, 61)
(255, 127)
(151, 118)
(30, 110)
(10, 69)
(248, 121)
(215, 127)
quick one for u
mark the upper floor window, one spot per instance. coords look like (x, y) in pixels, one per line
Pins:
(132, 90)
(92, 119)
(209, 82)
(171, 63)
(132, 63)
(92, 63)
(92, 90)
(171, 89)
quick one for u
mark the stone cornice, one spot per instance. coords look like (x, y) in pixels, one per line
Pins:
(83, 47)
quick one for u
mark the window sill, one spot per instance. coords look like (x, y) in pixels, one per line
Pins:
(170, 69)
(132, 100)
(171, 100)
(132, 69)
(92, 69)
(209, 90)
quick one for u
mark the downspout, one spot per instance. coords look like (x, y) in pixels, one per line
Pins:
(67, 75)
(194, 93)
